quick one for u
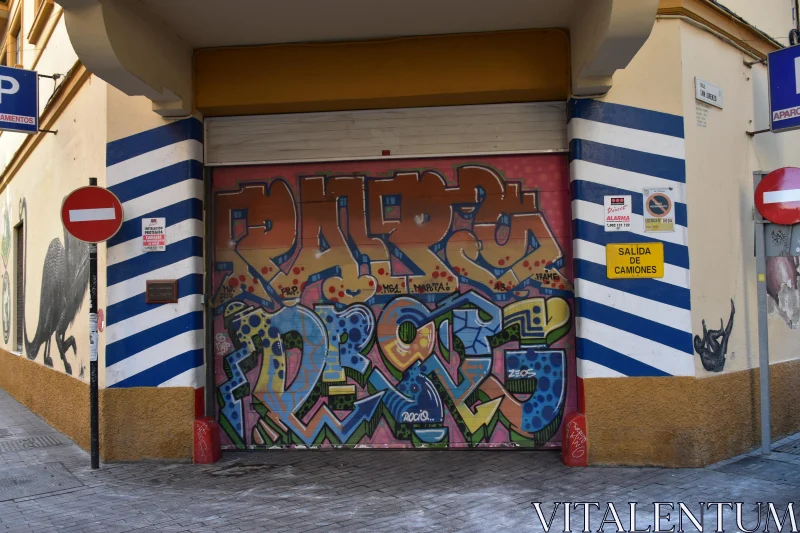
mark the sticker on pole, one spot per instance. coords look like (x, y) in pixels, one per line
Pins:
(154, 234)
(778, 196)
(91, 214)
(93, 337)
(618, 212)
(659, 210)
(635, 260)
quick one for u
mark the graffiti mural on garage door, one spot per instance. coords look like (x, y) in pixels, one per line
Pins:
(394, 303)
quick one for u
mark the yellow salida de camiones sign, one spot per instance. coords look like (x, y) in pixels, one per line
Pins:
(635, 260)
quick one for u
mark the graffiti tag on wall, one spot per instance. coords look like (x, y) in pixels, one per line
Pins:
(782, 287)
(712, 347)
(405, 308)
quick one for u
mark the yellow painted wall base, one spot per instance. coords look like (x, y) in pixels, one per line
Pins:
(135, 423)
(146, 422)
(476, 68)
(674, 422)
(61, 400)
(686, 422)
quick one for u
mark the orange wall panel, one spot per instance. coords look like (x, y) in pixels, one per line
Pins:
(517, 66)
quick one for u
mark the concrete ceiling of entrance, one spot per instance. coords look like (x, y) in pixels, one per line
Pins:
(145, 47)
(212, 23)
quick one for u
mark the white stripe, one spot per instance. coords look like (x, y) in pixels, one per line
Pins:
(157, 315)
(590, 369)
(643, 141)
(131, 287)
(595, 213)
(133, 248)
(88, 215)
(669, 360)
(772, 197)
(668, 315)
(622, 179)
(155, 160)
(161, 198)
(194, 377)
(185, 342)
(596, 253)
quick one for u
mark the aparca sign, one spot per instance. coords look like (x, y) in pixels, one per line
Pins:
(19, 100)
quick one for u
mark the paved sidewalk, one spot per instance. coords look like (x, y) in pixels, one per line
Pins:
(46, 485)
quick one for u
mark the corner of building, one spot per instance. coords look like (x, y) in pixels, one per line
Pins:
(154, 366)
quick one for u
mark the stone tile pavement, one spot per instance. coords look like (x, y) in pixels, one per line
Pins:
(46, 485)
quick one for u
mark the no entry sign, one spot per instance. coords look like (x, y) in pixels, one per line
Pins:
(778, 196)
(92, 214)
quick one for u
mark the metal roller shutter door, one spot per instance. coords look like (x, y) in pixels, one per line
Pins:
(431, 131)
(422, 299)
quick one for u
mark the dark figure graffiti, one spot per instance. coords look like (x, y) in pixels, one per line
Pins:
(65, 277)
(714, 344)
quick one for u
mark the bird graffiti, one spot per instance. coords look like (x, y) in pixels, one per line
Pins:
(65, 278)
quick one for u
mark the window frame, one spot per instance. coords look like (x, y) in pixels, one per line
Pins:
(41, 14)
(13, 34)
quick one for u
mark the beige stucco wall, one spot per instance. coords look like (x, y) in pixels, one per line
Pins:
(773, 17)
(720, 161)
(57, 164)
(652, 80)
(129, 115)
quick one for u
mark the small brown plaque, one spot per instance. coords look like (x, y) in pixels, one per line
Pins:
(161, 291)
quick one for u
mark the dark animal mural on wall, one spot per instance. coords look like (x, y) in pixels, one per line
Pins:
(65, 278)
(714, 344)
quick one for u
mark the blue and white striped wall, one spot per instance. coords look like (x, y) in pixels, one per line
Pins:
(628, 327)
(157, 173)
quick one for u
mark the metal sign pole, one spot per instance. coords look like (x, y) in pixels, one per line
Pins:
(763, 326)
(93, 339)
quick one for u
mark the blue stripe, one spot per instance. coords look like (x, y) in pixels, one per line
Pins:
(178, 212)
(124, 348)
(674, 254)
(136, 305)
(159, 179)
(594, 192)
(628, 366)
(155, 376)
(646, 288)
(666, 335)
(147, 262)
(626, 116)
(668, 168)
(147, 141)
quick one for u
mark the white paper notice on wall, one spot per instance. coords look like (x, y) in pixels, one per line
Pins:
(618, 212)
(154, 234)
(708, 93)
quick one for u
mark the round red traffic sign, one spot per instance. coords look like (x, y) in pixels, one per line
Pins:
(92, 214)
(778, 196)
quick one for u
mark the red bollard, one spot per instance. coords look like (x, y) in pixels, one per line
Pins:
(574, 444)
(206, 441)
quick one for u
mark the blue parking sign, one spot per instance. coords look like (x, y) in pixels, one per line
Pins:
(784, 89)
(19, 100)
